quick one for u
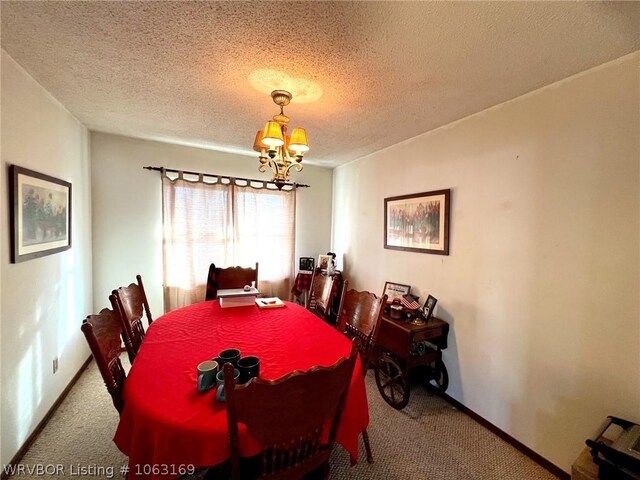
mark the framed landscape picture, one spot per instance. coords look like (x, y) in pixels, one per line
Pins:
(418, 222)
(40, 214)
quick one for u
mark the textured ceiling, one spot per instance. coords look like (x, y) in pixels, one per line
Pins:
(387, 70)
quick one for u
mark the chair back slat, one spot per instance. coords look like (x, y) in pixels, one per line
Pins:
(103, 332)
(321, 294)
(131, 305)
(359, 319)
(231, 277)
(289, 417)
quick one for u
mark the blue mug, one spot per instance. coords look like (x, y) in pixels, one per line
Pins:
(207, 375)
(220, 396)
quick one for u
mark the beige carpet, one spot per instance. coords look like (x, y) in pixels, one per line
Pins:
(427, 440)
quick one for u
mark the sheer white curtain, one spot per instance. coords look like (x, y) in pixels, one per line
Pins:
(264, 221)
(228, 225)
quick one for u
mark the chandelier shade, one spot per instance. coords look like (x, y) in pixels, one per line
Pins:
(258, 144)
(272, 136)
(299, 143)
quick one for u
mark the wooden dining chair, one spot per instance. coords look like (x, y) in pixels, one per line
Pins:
(103, 332)
(131, 304)
(288, 417)
(231, 277)
(321, 295)
(359, 319)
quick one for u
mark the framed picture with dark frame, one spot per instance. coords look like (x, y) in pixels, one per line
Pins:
(40, 214)
(395, 291)
(418, 222)
(306, 264)
(429, 307)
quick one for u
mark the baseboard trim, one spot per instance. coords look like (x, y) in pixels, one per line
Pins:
(17, 458)
(536, 457)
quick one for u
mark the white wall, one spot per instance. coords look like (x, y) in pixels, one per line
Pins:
(43, 300)
(541, 284)
(127, 207)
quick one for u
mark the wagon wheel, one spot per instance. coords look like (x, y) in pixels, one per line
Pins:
(437, 376)
(392, 382)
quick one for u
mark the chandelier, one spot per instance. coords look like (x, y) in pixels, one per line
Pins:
(278, 150)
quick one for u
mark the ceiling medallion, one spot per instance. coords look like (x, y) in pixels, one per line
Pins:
(266, 80)
(278, 150)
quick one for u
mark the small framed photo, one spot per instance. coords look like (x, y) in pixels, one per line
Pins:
(323, 261)
(40, 214)
(306, 264)
(429, 307)
(395, 291)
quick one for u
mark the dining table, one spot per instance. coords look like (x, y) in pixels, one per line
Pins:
(168, 427)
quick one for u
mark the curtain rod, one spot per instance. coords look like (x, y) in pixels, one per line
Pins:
(248, 180)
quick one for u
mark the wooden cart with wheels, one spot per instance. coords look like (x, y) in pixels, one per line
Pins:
(402, 346)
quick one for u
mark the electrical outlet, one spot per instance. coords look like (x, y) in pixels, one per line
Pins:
(55, 365)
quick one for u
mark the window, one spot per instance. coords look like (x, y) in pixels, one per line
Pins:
(225, 224)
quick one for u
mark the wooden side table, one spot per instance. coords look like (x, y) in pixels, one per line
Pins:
(402, 346)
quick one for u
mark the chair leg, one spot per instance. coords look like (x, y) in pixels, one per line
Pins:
(325, 470)
(367, 447)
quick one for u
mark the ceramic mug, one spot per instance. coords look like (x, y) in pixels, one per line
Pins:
(231, 355)
(220, 381)
(207, 375)
(249, 368)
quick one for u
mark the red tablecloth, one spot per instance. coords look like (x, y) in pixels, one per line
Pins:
(167, 422)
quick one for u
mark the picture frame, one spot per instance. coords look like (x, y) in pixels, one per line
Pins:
(429, 307)
(324, 261)
(40, 214)
(418, 222)
(395, 291)
(306, 264)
